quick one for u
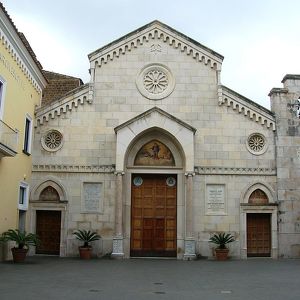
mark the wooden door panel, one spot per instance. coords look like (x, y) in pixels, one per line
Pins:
(48, 226)
(154, 203)
(258, 234)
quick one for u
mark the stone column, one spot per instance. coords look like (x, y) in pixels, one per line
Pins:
(189, 243)
(118, 238)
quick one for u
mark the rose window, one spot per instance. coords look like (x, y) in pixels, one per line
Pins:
(256, 143)
(155, 81)
(52, 140)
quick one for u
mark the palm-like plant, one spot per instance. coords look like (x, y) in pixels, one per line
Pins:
(222, 239)
(2, 239)
(86, 236)
(22, 239)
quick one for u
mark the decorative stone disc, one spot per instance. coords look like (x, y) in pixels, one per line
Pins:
(256, 143)
(52, 140)
(155, 82)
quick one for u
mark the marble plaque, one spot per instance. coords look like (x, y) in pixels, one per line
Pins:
(189, 246)
(215, 199)
(92, 197)
(117, 247)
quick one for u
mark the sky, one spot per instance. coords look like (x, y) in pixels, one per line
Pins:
(260, 39)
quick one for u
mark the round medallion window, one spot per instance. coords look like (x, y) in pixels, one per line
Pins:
(155, 82)
(256, 144)
(52, 140)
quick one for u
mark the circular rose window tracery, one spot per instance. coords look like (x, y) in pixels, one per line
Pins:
(256, 143)
(155, 82)
(52, 140)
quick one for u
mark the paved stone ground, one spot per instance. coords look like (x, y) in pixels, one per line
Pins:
(70, 278)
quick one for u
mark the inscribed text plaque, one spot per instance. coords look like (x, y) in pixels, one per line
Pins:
(91, 197)
(215, 199)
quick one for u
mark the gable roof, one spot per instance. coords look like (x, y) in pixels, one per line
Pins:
(58, 86)
(163, 32)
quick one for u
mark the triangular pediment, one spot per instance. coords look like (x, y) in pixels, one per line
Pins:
(162, 32)
(157, 119)
(155, 116)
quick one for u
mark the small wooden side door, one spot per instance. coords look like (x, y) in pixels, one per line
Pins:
(258, 235)
(48, 227)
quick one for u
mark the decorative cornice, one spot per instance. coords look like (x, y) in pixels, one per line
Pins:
(111, 169)
(74, 168)
(278, 91)
(160, 31)
(249, 108)
(290, 77)
(12, 43)
(78, 96)
(233, 171)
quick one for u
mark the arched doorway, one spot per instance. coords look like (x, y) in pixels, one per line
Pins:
(48, 224)
(154, 168)
(258, 227)
(48, 230)
(178, 137)
(259, 222)
(48, 216)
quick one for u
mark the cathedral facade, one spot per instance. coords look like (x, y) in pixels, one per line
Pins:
(156, 155)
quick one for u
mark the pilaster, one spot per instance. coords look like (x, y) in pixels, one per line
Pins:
(118, 251)
(189, 241)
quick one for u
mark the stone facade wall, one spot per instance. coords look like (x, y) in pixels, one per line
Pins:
(221, 154)
(288, 163)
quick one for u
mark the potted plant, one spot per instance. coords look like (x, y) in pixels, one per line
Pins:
(23, 240)
(222, 239)
(86, 236)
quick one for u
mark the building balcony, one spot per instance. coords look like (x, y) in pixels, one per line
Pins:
(8, 140)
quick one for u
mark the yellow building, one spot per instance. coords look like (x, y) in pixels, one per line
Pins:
(21, 85)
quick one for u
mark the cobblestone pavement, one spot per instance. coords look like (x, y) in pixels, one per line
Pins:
(70, 278)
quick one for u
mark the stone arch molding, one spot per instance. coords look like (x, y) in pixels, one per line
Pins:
(152, 134)
(258, 185)
(155, 118)
(49, 181)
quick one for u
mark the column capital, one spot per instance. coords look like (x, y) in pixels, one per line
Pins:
(119, 173)
(189, 174)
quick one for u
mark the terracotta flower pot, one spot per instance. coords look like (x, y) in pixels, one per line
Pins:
(222, 254)
(19, 255)
(85, 252)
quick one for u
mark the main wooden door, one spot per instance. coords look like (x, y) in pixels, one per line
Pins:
(48, 225)
(258, 235)
(153, 215)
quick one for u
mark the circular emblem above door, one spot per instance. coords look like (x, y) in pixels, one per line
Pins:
(171, 181)
(155, 82)
(137, 181)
